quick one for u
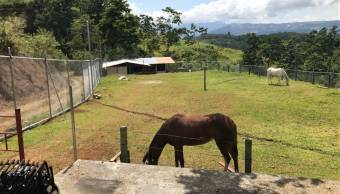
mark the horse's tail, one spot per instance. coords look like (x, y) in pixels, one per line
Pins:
(234, 150)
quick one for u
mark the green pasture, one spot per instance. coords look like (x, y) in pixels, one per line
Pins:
(295, 129)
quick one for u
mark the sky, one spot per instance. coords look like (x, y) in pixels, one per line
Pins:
(243, 11)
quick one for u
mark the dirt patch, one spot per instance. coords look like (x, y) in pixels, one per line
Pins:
(151, 82)
(79, 110)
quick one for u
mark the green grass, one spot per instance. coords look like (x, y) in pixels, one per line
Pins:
(302, 121)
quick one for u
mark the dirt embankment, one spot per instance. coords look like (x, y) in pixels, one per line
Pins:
(30, 84)
(29, 78)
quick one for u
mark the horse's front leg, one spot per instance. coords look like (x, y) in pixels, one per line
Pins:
(176, 156)
(181, 156)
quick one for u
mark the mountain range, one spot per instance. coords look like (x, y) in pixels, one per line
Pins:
(265, 28)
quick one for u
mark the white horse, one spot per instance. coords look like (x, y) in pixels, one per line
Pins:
(277, 72)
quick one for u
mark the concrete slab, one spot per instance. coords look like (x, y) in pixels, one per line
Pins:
(105, 177)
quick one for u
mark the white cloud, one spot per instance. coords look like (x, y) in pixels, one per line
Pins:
(134, 8)
(256, 11)
(260, 10)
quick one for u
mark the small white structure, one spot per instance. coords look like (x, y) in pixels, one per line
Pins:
(140, 65)
(123, 78)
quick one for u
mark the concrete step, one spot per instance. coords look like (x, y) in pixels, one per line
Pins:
(106, 177)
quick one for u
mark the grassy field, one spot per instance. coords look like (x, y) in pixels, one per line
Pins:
(295, 129)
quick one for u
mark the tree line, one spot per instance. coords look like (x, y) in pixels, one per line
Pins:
(59, 27)
(315, 51)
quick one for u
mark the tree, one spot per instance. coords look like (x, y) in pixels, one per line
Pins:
(193, 33)
(57, 16)
(148, 34)
(251, 56)
(272, 48)
(79, 42)
(5, 42)
(119, 29)
(168, 27)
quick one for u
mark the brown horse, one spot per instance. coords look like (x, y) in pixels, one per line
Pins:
(181, 130)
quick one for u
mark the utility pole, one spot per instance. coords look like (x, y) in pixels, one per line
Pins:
(88, 35)
(89, 47)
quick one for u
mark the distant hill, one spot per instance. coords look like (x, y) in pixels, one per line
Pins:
(212, 26)
(243, 28)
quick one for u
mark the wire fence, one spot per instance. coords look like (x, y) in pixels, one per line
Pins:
(268, 155)
(329, 79)
(40, 87)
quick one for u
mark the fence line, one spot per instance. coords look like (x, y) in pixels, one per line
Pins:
(40, 86)
(329, 79)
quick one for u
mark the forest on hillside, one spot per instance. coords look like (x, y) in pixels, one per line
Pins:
(315, 51)
(58, 29)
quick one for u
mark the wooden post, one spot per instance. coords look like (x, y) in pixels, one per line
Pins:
(228, 68)
(48, 88)
(295, 72)
(313, 81)
(20, 137)
(248, 70)
(329, 79)
(125, 155)
(73, 126)
(248, 155)
(205, 78)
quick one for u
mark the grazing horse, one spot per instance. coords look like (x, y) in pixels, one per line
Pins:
(182, 130)
(277, 72)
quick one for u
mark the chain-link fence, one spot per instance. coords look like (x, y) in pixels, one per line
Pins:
(328, 79)
(40, 87)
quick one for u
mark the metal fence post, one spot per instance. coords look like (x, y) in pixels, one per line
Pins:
(20, 136)
(12, 77)
(248, 155)
(89, 77)
(74, 138)
(83, 81)
(48, 88)
(125, 155)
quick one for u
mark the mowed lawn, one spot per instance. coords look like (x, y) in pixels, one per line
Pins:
(295, 129)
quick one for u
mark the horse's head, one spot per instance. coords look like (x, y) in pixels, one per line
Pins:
(149, 159)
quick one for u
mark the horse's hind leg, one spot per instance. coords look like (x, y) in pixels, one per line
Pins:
(234, 154)
(222, 146)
